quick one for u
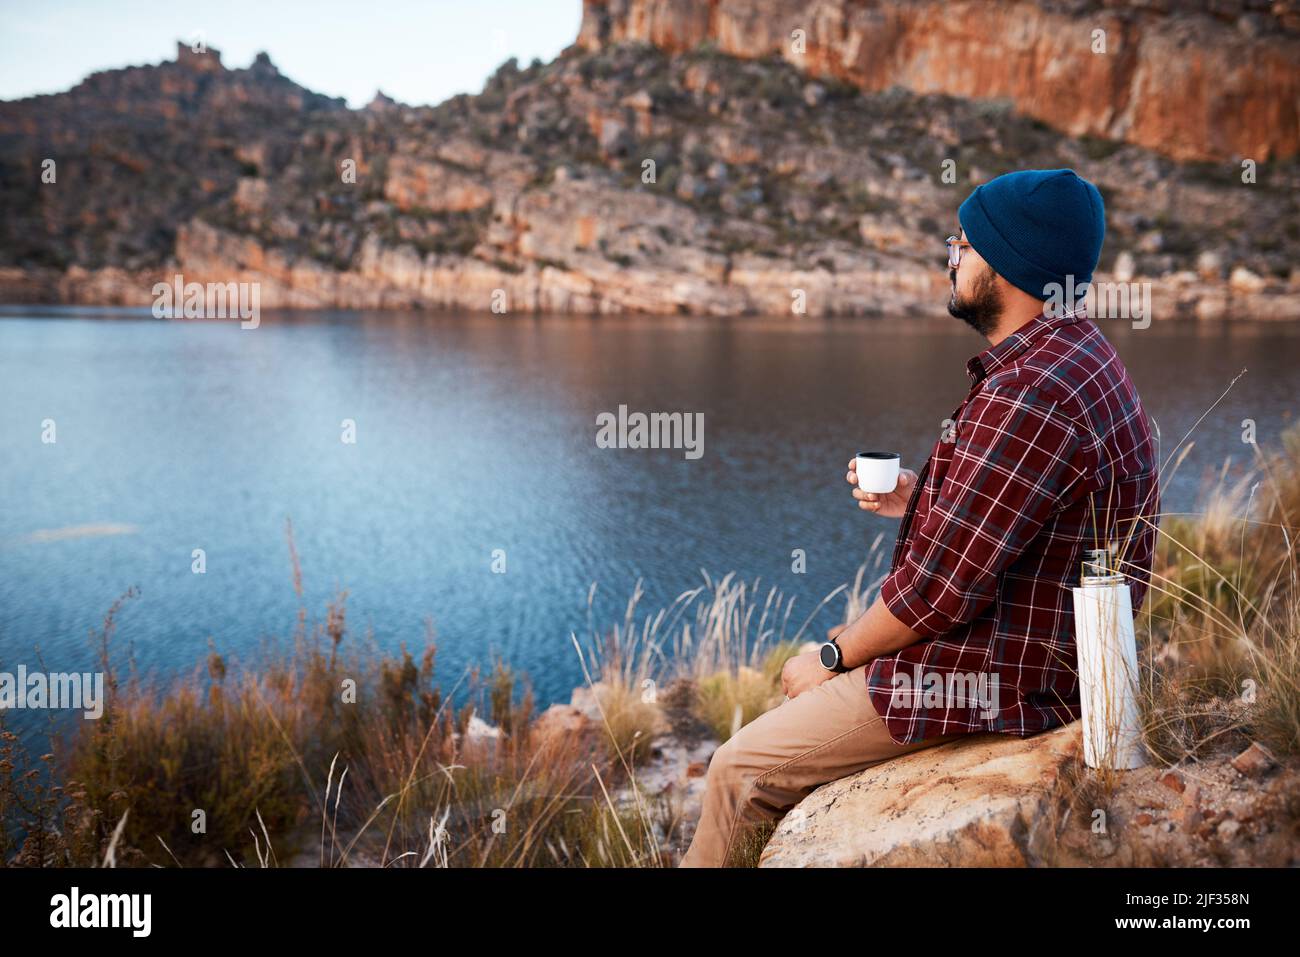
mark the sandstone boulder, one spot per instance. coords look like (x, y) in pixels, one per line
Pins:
(983, 801)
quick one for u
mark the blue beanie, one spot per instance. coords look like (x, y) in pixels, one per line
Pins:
(1036, 227)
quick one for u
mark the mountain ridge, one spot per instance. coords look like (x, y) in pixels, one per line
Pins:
(616, 179)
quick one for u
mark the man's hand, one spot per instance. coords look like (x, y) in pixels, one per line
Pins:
(890, 504)
(803, 672)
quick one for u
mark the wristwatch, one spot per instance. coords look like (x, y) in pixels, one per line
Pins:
(831, 658)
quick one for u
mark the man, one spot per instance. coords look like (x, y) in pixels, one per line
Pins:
(1048, 456)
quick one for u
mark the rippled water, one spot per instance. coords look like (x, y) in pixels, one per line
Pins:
(476, 434)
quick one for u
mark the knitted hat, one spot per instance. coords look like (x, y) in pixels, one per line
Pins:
(1036, 227)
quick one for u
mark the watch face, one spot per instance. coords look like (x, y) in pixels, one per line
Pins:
(830, 656)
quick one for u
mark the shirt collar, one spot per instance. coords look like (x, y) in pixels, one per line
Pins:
(994, 357)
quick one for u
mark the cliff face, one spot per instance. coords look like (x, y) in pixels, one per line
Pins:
(1196, 79)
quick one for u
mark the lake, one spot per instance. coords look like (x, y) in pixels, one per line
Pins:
(475, 443)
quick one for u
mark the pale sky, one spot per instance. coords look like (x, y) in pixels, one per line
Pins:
(416, 52)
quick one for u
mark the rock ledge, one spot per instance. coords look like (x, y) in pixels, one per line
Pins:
(983, 801)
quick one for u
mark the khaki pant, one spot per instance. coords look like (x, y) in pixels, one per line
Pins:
(783, 755)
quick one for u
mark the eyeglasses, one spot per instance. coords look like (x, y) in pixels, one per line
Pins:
(954, 250)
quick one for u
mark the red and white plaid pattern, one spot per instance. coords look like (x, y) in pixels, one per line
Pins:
(1051, 456)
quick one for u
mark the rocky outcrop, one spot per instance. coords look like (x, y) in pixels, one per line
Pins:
(985, 801)
(1196, 80)
(558, 234)
(435, 186)
(999, 801)
(615, 179)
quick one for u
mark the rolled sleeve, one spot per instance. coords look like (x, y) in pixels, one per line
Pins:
(1016, 457)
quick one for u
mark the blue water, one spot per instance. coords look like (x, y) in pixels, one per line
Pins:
(475, 434)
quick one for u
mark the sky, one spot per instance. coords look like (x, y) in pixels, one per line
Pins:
(416, 52)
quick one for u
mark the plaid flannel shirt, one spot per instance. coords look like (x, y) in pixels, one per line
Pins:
(1049, 455)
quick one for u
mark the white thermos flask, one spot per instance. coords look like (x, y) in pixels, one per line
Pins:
(1108, 673)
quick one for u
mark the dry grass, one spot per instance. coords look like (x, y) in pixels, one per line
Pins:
(327, 756)
(1221, 629)
(726, 640)
(280, 761)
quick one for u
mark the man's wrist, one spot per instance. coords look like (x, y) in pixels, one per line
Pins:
(832, 656)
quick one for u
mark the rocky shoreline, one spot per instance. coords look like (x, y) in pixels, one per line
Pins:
(404, 282)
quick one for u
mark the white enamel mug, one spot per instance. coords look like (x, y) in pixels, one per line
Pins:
(877, 471)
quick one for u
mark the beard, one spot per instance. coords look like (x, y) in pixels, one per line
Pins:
(982, 308)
